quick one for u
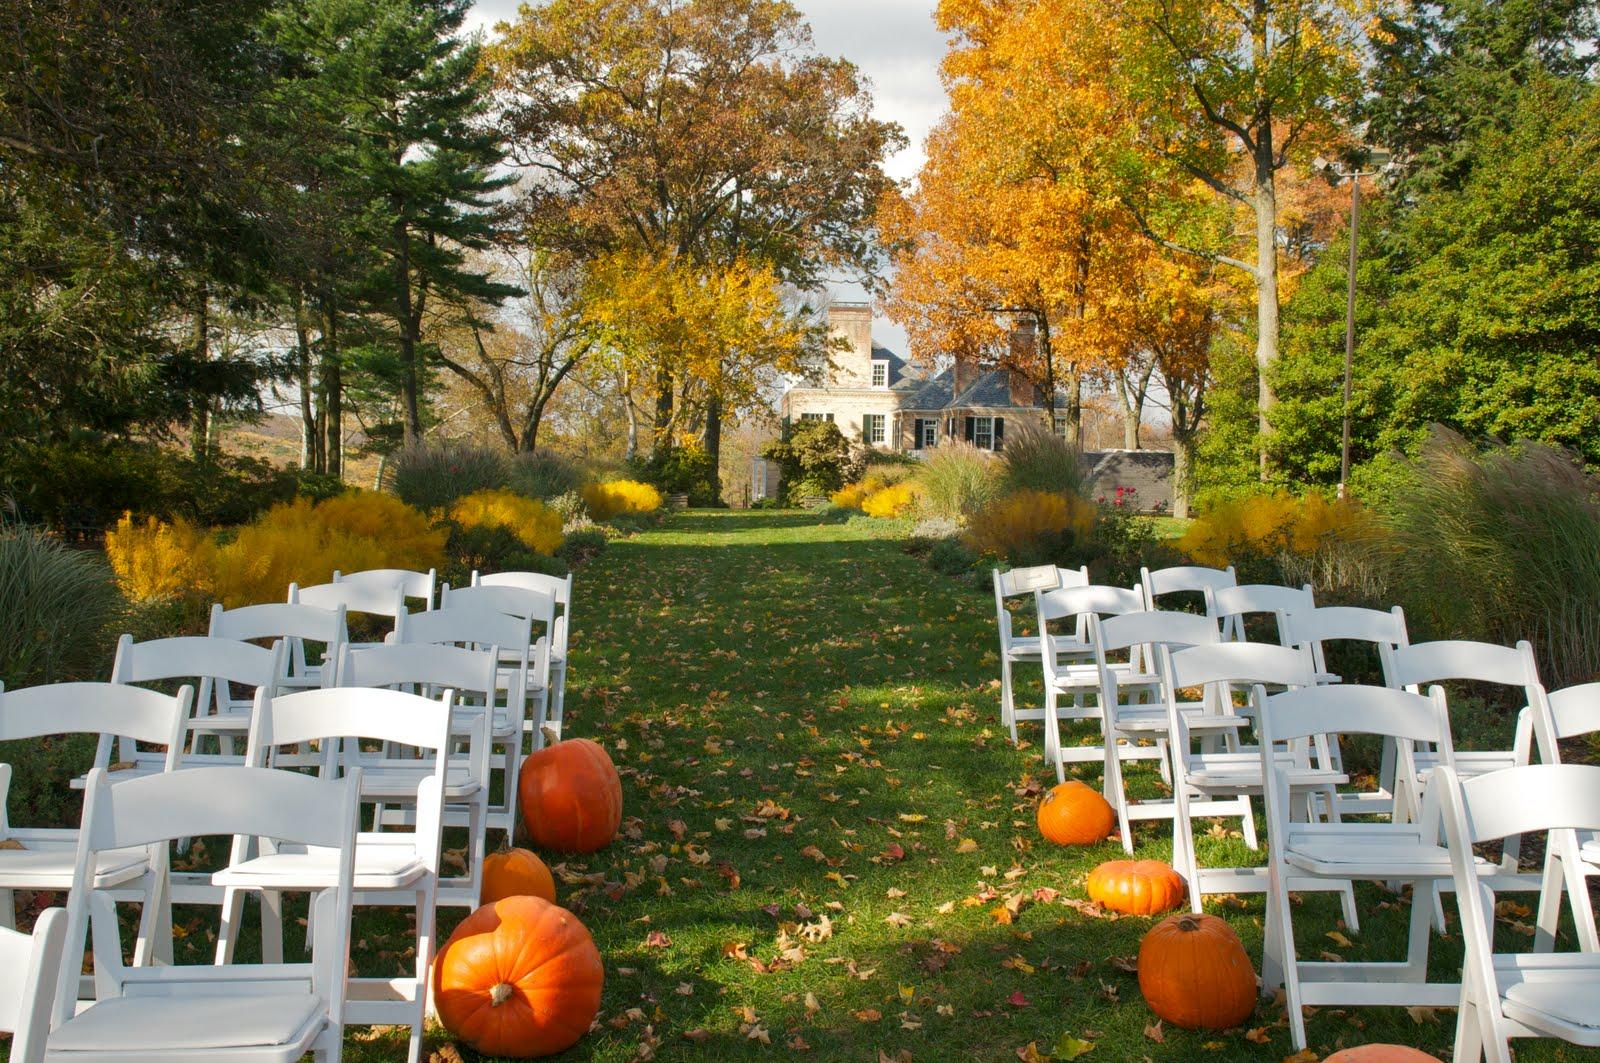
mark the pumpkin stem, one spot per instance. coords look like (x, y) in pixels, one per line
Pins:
(551, 735)
(1188, 923)
(500, 993)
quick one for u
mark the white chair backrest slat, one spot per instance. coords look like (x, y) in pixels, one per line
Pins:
(355, 597)
(96, 708)
(1080, 601)
(560, 586)
(1238, 663)
(538, 606)
(1184, 578)
(1422, 663)
(411, 584)
(279, 620)
(196, 657)
(30, 965)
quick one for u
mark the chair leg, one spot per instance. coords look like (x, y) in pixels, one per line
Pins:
(1417, 941)
(425, 917)
(8, 909)
(1052, 736)
(1550, 893)
(271, 903)
(1008, 706)
(1469, 1035)
(1279, 946)
(228, 924)
(1184, 856)
(1116, 793)
(1583, 912)
(1347, 902)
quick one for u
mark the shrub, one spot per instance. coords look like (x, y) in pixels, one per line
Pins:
(877, 478)
(1016, 527)
(432, 476)
(1268, 525)
(957, 481)
(953, 557)
(486, 548)
(814, 457)
(537, 526)
(686, 469)
(409, 537)
(581, 545)
(543, 474)
(570, 507)
(1500, 544)
(893, 501)
(56, 608)
(1036, 459)
(620, 498)
(155, 561)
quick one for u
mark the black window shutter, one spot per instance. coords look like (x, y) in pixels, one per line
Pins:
(999, 432)
(969, 429)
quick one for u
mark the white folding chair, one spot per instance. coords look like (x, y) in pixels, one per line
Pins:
(1135, 728)
(392, 867)
(1231, 607)
(1078, 682)
(296, 625)
(1343, 853)
(44, 856)
(1506, 995)
(1217, 776)
(470, 676)
(1015, 649)
(1558, 716)
(379, 601)
(412, 584)
(535, 605)
(524, 675)
(30, 966)
(243, 1013)
(215, 665)
(560, 586)
(1185, 579)
(561, 632)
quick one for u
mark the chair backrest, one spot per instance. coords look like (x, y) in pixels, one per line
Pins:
(197, 657)
(1018, 581)
(1080, 601)
(538, 606)
(560, 586)
(1249, 663)
(1153, 627)
(279, 620)
(468, 625)
(30, 966)
(412, 584)
(1423, 663)
(1258, 598)
(375, 600)
(1181, 578)
(1565, 713)
(110, 710)
(1308, 711)
(1339, 623)
(426, 665)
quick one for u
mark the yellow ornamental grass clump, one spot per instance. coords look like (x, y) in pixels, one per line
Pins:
(156, 560)
(1270, 524)
(620, 498)
(531, 521)
(408, 534)
(851, 495)
(1024, 517)
(893, 501)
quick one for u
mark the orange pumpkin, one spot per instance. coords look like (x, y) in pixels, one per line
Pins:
(1194, 973)
(1381, 1054)
(515, 873)
(1136, 887)
(519, 978)
(1075, 814)
(571, 797)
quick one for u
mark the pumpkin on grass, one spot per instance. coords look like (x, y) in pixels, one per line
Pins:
(1136, 887)
(1381, 1054)
(515, 873)
(1194, 973)
(519, 978)
(571, 797)
(1075, 814)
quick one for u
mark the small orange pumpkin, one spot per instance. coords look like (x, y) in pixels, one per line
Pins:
(1380, 1054)
(519, 978)
(515, 873)
(571, 797)
(1194, 973)
(1075, 814)
(1136, 887)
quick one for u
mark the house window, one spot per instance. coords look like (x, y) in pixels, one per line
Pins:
(816, 416)
(983, 433)
(872, 427)
(1061, 427)
(927, 433)
(880, 374)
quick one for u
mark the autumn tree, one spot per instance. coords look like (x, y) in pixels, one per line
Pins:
(702, 132)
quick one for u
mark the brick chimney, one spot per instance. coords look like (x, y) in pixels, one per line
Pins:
(1024, 348)
(966, 374)
(1024, 392)
(852, 322)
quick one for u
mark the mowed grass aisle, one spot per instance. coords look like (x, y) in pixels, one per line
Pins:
(829, 843)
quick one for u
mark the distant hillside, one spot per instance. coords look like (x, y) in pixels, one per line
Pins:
(276, 438)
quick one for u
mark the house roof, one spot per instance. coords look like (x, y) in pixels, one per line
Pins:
(991, 389)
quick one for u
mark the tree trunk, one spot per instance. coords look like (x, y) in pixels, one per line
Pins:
(308, 417)
(1182, 462)
(1074, 409)
(713, 432)
(200, 424)
(410, 375)
(1048, 354)
(665, 394)
(1265, 203)
(332, 397)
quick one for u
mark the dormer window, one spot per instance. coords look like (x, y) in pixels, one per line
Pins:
(880, 374)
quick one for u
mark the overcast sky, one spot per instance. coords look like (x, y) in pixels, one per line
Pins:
(895, 44)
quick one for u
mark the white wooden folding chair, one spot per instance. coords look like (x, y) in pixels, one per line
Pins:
(1309, 631)
(30, 967)
(215, 665)
(1073, 683)
(297, 626)
(1506, 995)
(561, 632)
(1558, 716)
(241, 1013)
(412, 584)
(470, 676)
(524, 677)
(535, 605)
(392, 867)
(43, 857)
(1135, 727)
(378, 601)
(1231, 607)
(1185, 579)
(1017, 649)
(1342, 853)
(1220, 775)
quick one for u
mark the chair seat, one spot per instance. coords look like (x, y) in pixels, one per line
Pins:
(502, 726)
(1242, 771)
(146, 1026)
(221, 721)
(1026, 648)
(51, 867)
(1567, 1000)
(402, 782)
(1362, 851)
(1467, 764)
(1153, 718)
(1087, 677)
(382, 862)
(1590, 847)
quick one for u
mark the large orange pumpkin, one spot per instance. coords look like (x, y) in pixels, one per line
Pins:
(1136, 887)
(515, 873)
(1381, 1054)
(571, 797)
(1075, 814)
(1194, 973)
(519, 978)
